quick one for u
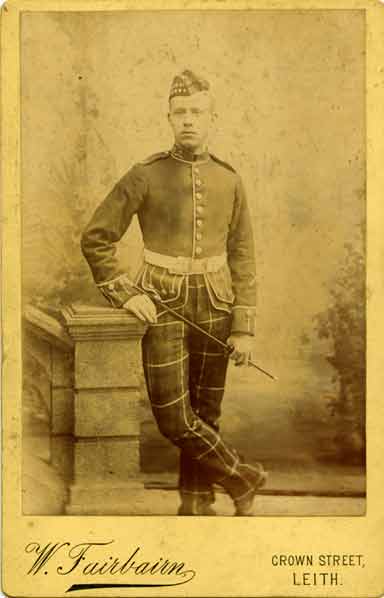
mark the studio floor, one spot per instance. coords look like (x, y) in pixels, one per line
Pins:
(163, 502)
(292, 490)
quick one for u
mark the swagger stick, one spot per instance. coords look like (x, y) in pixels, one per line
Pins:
(227, 347)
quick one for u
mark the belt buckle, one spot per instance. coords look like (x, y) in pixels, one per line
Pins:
(189, 265)
(199, 266)
(181, 265)
(193, 266)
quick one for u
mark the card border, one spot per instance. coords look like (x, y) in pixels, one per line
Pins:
(343, 531)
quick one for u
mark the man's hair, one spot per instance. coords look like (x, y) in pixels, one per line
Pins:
(206, 93)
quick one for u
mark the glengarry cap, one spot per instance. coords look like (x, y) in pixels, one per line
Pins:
(187, 83)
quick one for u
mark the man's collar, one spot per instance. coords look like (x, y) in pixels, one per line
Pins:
(183, 154)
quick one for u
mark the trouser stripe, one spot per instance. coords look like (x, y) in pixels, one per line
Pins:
(217, 388)
(209, 450)
(161, 406)
(166, 364)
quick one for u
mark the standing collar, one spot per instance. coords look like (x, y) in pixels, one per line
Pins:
(182, 154)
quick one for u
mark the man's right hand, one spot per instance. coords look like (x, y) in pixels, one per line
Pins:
(142, 307)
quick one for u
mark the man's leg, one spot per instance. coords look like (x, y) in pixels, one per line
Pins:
(208, 366)
(166, 368)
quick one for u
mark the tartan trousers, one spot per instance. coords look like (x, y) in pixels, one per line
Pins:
(185, 375)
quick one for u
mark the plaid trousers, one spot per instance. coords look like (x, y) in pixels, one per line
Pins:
(185, 375)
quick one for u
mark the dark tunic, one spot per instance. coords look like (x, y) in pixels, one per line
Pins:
(195, 209)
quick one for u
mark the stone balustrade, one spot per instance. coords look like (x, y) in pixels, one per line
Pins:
(48, 353)
(107, 379)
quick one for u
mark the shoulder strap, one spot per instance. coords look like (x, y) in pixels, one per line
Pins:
(155, 157)
(225, 164)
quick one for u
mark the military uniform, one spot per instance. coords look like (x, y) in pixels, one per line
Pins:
(199, 259)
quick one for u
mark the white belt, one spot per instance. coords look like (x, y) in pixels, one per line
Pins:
(185, 265)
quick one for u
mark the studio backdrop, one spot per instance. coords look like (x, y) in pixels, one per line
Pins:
(289, 91)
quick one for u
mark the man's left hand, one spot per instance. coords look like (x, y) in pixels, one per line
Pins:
(242, 348)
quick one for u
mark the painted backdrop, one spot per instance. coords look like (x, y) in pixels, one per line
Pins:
(289, 89)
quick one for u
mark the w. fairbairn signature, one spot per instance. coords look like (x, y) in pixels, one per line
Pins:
(65, 558)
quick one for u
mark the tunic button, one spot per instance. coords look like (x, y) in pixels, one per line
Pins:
(111, 286)
(198, 195)
(199, 209)
(198, 250)
(199, 222)
(163, 292)
(199, 236)
(198, 182)
(196, 171)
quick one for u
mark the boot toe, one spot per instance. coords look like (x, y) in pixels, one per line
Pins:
(257, 477)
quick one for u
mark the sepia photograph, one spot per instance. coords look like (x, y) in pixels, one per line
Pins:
(192, 298)
(193, 258)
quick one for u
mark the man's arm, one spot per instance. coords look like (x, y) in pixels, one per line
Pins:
(241, 260)
(108, 224)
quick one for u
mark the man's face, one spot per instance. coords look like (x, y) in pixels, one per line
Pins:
(191, 118)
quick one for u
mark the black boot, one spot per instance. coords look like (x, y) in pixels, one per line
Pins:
(255, 478)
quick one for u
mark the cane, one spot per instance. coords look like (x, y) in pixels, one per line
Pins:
(155, 297)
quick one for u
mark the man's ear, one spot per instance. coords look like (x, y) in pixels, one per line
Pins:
(213, 126)
(213, 118)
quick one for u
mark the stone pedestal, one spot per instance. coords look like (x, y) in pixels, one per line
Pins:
(106, 411)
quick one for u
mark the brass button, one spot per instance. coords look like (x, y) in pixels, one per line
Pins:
(199, 222)
(196, 170)
(198, 182)
(111, 286)
(198, 250)
(198, 195)
(163, 292)
(199, 236)
(199, 209)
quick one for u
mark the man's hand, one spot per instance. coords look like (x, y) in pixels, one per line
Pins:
(242, 348)
(142, 307)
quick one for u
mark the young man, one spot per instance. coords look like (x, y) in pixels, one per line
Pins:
(199, 259)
